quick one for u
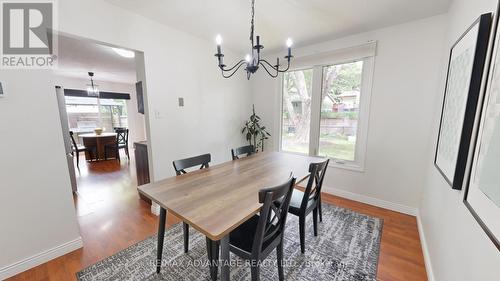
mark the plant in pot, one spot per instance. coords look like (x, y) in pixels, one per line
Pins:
(255, 134)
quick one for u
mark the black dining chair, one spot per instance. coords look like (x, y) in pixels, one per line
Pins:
(248, 150)
(180, 166)
(121, 143)
(309, 200)
(76, 149)
(256, 238)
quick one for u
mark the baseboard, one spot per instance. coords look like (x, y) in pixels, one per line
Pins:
(372, 201)
(40, 258)
(425, 249)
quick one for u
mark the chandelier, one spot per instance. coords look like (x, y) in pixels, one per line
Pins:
(92, 88)
(253, 60)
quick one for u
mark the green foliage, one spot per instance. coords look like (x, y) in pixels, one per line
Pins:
(254, 133)
(348, 77)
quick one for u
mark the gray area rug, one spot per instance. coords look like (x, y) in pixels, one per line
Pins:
(346, 249)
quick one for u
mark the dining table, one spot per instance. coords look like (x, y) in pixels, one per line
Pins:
(218, 199)
(99, 141)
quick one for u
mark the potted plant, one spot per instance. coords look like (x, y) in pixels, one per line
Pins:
(255, 134)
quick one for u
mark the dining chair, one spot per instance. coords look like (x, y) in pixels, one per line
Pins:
(309, 200)
(179, 166)
(76, 149)
(248, 150)
(256, 238)
(121, 143)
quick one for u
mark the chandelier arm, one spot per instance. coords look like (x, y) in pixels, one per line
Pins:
(265, 68)
(277, 67)
(241, 63)
(235, 66)
(287, 67)
(270, 65)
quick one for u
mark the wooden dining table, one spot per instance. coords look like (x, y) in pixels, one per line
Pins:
(218, 199)
(99, 141)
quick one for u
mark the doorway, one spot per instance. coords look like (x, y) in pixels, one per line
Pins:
(101, 102)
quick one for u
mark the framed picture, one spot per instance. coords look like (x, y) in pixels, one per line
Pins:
(463, 86)
(482, 192)
(140, 97)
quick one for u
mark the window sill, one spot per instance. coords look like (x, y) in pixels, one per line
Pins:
(346, 166)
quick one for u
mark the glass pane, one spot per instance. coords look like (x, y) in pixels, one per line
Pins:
(297, 91)
(83, 114)
(340, 97)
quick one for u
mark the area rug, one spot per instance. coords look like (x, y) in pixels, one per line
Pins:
(346, 249)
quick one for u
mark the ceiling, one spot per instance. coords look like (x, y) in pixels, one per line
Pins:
(76, 57)
(305, 21)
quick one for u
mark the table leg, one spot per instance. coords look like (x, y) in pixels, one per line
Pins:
(225, 261)
(161, 237)
(213, 257)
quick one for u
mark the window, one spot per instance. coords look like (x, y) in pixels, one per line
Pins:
(297, 90)
(83, 114)
(340, 98)
(325, 111)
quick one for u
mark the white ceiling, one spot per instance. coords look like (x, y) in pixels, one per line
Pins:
(76, 57)
(306, 21)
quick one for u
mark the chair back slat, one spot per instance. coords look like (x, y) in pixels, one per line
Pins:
(317, 173)
(273, 213)
(122, 136)
(248, 150)
(73, 142)
(182, 164)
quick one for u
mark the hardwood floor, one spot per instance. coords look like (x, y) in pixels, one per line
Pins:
(112, 217)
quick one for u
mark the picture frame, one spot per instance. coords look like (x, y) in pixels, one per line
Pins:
(463, 86)
(140, 97)
(482, 189)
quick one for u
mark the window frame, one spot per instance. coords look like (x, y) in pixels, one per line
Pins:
(316, 99)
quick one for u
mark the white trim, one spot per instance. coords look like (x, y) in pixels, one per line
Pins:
(155, 209)
(40, 258)
(412, 211)
(425, 249)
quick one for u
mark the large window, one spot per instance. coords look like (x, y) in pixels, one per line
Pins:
(297, 91)
(83, 114)
(325, 111)
(340, 98)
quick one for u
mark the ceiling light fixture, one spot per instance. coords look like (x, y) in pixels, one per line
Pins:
(124, 53)
(253, 60)
(92, 88)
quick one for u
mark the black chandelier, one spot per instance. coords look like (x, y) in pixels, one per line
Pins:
(253, 60)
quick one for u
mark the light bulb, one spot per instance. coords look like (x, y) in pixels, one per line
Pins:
(218, 39)
(248, 58)
(289, 42)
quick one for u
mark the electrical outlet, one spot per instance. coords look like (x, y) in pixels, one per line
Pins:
(181, 102)
(1, 91)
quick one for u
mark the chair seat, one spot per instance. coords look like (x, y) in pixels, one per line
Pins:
(296, 201)
(80, 148)
(122, 145)
(243, 236)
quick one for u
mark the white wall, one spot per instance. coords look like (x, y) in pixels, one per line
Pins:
(406, 75)
(36, 206)
(458, 248)
(136, 120)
